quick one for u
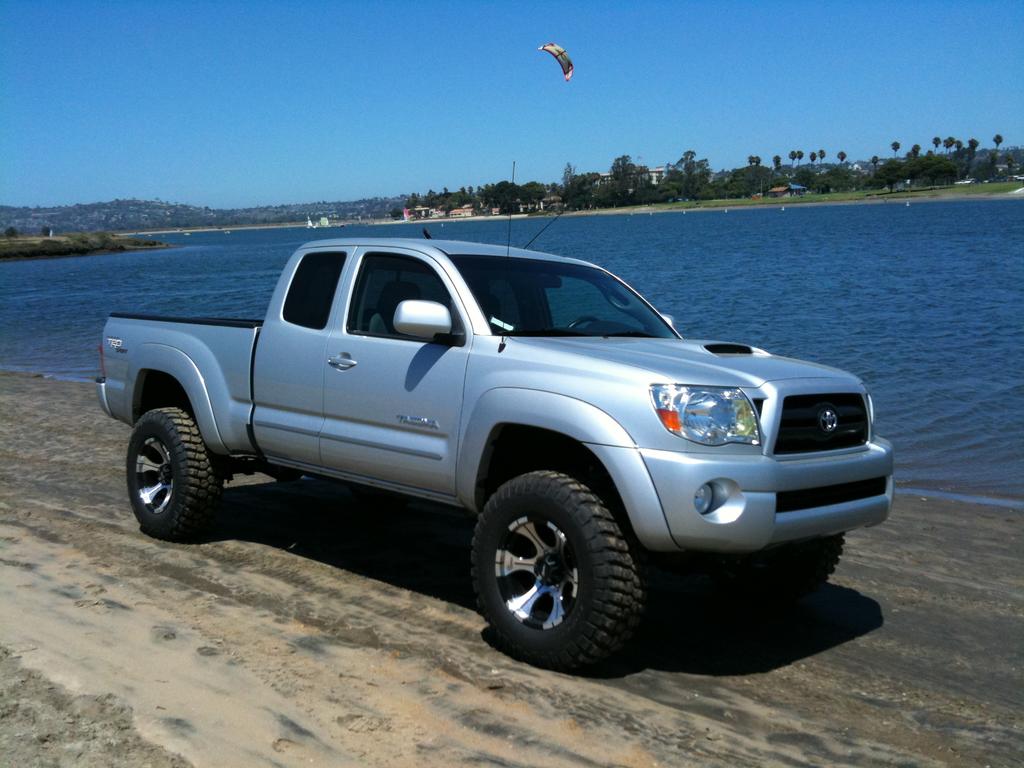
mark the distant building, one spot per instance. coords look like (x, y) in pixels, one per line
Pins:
(461, 212)
(551, 203)
(655, 175)
(788, 190)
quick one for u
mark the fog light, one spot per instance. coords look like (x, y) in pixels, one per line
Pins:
(702, 499)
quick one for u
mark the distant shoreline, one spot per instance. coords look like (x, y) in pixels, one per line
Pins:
(46, 248)
(303, 225)
(922, 196)
(79, 244)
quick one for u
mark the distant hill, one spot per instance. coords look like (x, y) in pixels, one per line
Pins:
(132, 215)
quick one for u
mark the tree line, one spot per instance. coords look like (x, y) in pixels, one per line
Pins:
(692, 178)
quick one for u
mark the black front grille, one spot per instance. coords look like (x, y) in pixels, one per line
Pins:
(801, 429)
(808, 498)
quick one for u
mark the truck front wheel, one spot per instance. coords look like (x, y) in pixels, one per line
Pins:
(555, 576)
(172, 483)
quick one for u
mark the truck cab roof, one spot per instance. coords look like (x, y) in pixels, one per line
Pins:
(440, 248)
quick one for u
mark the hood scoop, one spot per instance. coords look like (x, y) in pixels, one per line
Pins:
(721, 348)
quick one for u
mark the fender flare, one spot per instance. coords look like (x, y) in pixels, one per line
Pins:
(503, 406)
(175, 363)
(595, 429)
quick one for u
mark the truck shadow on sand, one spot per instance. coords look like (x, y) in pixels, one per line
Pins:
(424, 548)
(691, 627)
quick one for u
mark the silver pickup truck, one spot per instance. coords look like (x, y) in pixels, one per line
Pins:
(541, 394)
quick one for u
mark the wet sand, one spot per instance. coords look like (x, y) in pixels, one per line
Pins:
(311, 630)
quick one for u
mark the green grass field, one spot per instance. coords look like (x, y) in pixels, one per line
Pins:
(962, 190)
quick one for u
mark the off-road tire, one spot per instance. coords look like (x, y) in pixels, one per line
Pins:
(611, 592)
(196, 484)
(781, 574)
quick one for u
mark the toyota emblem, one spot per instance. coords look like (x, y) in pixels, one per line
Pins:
(828, 420)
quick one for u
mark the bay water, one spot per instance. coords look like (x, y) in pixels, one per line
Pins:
(923, 302)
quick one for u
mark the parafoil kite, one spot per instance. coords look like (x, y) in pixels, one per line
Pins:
(561, 57)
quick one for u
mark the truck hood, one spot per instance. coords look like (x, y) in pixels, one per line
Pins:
(689, 361)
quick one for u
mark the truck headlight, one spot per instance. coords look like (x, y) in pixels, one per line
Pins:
(706, 415)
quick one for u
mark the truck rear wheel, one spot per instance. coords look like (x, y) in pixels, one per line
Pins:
(172, 484)
(782, 574)
(556, 578)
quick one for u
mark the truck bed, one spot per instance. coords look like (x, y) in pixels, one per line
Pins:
(230, 322)
(211, 357)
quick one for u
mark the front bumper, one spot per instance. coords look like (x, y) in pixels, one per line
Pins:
(745, 517)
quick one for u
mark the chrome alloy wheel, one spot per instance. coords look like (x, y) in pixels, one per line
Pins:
(154, 475)
(537, 573)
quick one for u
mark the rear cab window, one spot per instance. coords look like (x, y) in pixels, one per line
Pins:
(311, 293)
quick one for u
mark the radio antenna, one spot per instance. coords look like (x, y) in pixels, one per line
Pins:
(508, 239)
(542, 229)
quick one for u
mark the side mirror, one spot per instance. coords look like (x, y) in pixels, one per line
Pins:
(422, 319)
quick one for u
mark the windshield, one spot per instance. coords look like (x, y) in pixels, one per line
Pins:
(531, 297)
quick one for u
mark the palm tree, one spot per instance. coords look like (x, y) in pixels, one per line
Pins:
(842, 156)
(935, 142)
(757, 160)
(997, 140)
(814, 157)
(972, 148)
(958, 144)
(948, 143)
(799, 155)
(874, 163)
(821, 155)
(750, 159)
(895, 148)
(777, 162)
(915, 151)
(792, 157)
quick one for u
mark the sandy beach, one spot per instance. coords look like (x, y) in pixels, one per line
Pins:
(311, 630)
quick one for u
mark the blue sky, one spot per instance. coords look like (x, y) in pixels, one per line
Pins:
(233, 104)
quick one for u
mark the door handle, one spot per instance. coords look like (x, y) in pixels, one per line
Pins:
(341, 362)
